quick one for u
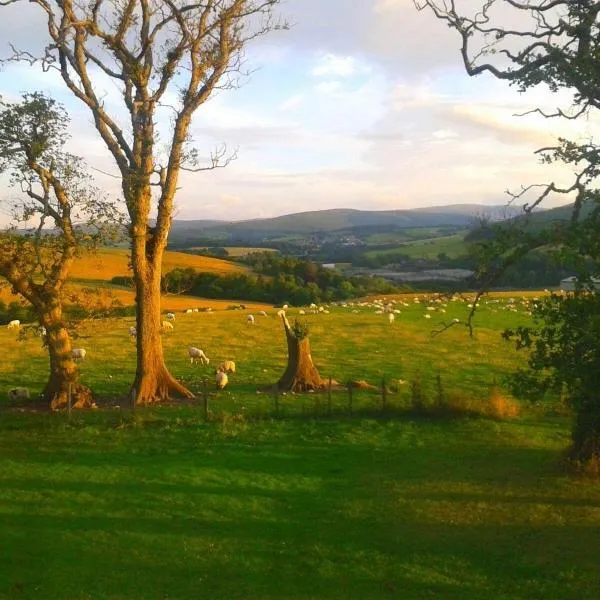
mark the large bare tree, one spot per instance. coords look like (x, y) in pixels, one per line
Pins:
(158, 53)
(56, 213)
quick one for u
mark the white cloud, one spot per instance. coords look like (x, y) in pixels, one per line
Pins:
(338, 66)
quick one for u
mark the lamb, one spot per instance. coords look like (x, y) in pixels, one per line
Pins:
(166, 325)
(391, 317)
(18, 393)
(197, 355)
(227, 366)
(78, 353)
(250, 320)
(14, 324)
(132, 332)
(170, 316)
(221, 379)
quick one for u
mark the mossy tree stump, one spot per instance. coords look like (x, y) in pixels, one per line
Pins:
(301, 375)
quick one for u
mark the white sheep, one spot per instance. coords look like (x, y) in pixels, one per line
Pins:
(42, 331)
(197, 355)
(391, 317)
(221, 379)
(132, 332)
(285, 307)
(18, 393)
(14, 324)
(301, 312)
(166, 325)
(250, 320)
(227, 366)
(189, 311)
(262, 313)
(170, 316)
(78, 353)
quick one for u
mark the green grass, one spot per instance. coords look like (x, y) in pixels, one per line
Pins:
(158, 504)
(451, 245)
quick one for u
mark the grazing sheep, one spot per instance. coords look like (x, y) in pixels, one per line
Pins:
(18, 393)
(285, 307)
(132, 332)
(189, 311)
(227, 366)
(78, 353)
(166, 325)
(221, 379)
(262, 313)
(42, 331)
(250, 320)
(391, 317)
(14, 324)
(197, 355)
(301, 312)
(170, 316)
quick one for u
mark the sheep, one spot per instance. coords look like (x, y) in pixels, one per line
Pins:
(166, 325)
(18, 393)
(227, 366)
(78, 353)
(301, 312)
(250, 320)
(196, 355)
(221, 379)
(132, 332)
(14, 324)
(285, 307)
(42, 331)
(391, 317)
(189, 311)
(262, 313)
(170, 316)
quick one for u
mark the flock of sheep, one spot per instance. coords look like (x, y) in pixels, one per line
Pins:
(390, 308)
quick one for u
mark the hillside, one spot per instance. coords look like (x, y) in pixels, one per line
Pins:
(95, 271)
(329, 221)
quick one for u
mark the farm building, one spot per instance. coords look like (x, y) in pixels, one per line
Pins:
(568, 284)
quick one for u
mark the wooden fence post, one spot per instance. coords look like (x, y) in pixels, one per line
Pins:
(69, 400)
(349, 386)
(205, 397)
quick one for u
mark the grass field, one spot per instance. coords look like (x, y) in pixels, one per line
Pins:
(451, 245)
(97, 269)
(160, 504)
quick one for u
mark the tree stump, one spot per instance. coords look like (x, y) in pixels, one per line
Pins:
(301, 375)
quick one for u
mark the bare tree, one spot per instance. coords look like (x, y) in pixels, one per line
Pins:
(158, 53)
(56, 213)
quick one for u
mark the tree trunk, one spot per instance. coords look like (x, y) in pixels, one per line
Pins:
(301, 375)
(63, 370)
(153, 382)
(586, 433)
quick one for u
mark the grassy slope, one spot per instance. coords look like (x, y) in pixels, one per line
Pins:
(96, 270)
(452, 245)
(301, 508)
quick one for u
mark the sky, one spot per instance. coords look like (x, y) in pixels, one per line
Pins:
(361, 104)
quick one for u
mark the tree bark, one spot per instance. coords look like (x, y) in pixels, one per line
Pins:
(63, 370)
(586, 433)
(300, 375)
(153, 382)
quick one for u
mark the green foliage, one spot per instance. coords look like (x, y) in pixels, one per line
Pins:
(300, 329)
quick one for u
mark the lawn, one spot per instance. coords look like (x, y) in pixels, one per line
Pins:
(160, 504)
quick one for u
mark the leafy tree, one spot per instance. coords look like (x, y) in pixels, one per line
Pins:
(56, 214)
(166, 58)
(555, 43)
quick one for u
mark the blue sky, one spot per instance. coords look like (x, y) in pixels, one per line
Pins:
(361, 104)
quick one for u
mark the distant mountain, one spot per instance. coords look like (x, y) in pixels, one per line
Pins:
(332, 220)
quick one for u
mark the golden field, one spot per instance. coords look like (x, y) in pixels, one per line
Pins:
(98, 268)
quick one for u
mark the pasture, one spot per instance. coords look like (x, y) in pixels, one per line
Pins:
(95, 270)
(158, 503)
